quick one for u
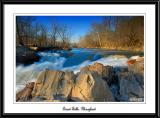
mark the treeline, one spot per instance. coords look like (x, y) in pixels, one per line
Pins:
(31, 33)
(116, 32)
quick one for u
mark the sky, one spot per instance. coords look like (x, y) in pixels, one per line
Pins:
(79, 25)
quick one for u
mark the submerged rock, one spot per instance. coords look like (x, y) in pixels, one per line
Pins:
(90, 87)
(25, 94)
(54, 85)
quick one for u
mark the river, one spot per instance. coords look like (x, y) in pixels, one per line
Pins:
(72, 60)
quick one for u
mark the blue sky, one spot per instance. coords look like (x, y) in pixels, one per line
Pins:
(79, 25)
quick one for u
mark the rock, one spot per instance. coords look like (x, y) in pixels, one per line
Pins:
(136, 65)
(54, 85)
(25, 55)
(115, 90)
(130, 87)
(106, 72)
(34, 48)
(97, 67)
(90, 87)
(129, 62)
(52, 101)
(109, 74)
(120, 69)
(139, 79)
(25, 94)
(37, 99)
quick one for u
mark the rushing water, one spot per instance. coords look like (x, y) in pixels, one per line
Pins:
(72, 60)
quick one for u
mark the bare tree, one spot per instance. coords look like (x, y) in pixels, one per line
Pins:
(54, 32)
(24, 29)
(43, 35)
(116, 32)
(18, 30)
(65, 35)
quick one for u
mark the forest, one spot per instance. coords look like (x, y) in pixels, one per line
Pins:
(128, 34)
(114, 32)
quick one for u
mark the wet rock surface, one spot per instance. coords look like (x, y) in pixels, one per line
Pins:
(94, 83)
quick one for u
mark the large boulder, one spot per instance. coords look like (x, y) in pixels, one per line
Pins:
(100, 69)
(97, 67)
(106, 72)
(136, 65)
(131, 86)
(25, 93)
(54, 85)
(90, 87)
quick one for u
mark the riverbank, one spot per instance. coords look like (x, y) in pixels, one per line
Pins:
(49, 48)
(28, 55)
(25, 55)
(116, 84)
(133, 49)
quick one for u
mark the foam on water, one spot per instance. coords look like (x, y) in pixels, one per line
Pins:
(25, 74)
(54, 61)
(114, 61)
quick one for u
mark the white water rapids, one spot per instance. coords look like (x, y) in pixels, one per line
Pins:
(59, 61)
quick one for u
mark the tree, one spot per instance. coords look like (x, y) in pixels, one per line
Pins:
(43, 35)
(54, 33)
(24, 29)
(65, 35)
(131, 32)
(97, 30)
(18, 30)
(116, 32)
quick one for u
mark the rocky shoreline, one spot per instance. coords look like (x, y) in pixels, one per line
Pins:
(94, 83)
(28, 55)
(25, 55)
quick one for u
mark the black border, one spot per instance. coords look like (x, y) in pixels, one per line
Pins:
(127, 115)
